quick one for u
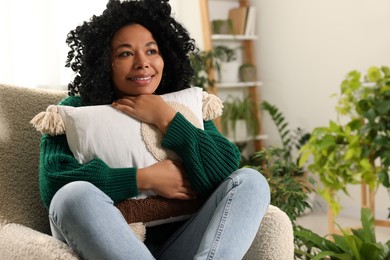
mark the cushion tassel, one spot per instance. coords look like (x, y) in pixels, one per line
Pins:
(211, 106)
(49, 122)
(139, 230)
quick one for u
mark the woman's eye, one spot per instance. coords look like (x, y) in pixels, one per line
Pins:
(125, 54)
(153, 51)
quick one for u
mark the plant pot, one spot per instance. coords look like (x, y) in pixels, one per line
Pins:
(239, 132)
(222, 26)
(229, 72)
(247, 73)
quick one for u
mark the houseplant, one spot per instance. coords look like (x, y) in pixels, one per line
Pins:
(351, 244)
(292, 140)
(221, 26)
(247, 72)
(239, 112)
(355, 149)
(287, 155)
(289, 189)
(203, 62)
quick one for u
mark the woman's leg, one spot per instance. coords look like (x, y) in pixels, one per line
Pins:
(87, 220)
(226, 225)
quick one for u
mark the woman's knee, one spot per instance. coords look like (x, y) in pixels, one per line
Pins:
(75, 195)
(252, 180)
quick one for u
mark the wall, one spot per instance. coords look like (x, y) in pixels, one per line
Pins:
(305, 49)
(33, 50)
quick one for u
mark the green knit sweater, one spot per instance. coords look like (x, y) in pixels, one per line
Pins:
(208, 158)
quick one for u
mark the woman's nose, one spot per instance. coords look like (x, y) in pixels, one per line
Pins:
(141, 62)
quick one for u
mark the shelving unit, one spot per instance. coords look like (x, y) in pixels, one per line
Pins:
(225, 37)
(248, 56)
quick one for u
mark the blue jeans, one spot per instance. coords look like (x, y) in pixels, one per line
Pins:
(87, 220)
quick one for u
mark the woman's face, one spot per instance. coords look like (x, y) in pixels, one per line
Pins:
(137, 64)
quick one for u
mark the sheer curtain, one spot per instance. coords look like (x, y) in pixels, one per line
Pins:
(33, 33)
(32, 48)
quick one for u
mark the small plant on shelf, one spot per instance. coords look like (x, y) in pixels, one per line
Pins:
(247, 72)
(239, 111)
(222, 26)
(205, 61)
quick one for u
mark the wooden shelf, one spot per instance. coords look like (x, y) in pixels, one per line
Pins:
(248, 56)
(232, 37)
(239, 84)
(249, 139)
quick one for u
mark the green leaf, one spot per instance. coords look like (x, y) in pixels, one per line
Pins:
(341, 242)
(304, 156)
(374, 74)
(386, 71)
(384, 178)
(370, 251)
(350, 153)
(368, 223)
(324, 254)
(334, 127)
(366, 165)
(326, 142)
(353, 75)
(383, 106)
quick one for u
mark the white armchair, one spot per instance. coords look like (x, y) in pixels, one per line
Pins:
(24, 226)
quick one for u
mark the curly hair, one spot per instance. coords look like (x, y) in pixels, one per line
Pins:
(90, 44)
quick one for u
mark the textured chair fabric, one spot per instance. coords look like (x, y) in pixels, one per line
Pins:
(24, 225)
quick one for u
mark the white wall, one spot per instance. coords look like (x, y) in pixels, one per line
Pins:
(33, 49)
(305, 49)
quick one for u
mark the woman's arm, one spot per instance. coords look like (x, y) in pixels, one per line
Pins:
(208, 157)
(58, 167)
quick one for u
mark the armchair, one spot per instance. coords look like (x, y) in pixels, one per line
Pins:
(24, 225)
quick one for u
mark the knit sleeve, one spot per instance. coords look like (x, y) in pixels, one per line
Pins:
(58, 167)
(208, 157)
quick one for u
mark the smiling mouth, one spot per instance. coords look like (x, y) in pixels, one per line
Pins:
(140, 78)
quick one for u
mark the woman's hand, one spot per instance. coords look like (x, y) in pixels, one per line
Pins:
(166, 179)
(150, 109)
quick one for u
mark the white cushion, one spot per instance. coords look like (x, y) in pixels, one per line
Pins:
(120, 140)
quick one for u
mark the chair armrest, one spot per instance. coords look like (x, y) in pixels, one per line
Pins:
(20, 242)
(275, 238)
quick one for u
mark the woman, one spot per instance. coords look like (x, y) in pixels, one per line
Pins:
(124, 57)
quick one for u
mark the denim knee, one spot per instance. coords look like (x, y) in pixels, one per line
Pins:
(253, 181)
(73, 195)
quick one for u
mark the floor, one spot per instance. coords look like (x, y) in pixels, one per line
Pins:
(317, 221)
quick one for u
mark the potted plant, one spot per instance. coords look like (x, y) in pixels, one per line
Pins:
(221, 26)
(205, 61)
(226, 63)
(247, 72)
(289, 189)
(239, 119)
(351, 244)
(356, 149)
(292, 140)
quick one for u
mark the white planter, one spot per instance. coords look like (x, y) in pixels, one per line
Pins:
(240, 132)
(230, 71)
